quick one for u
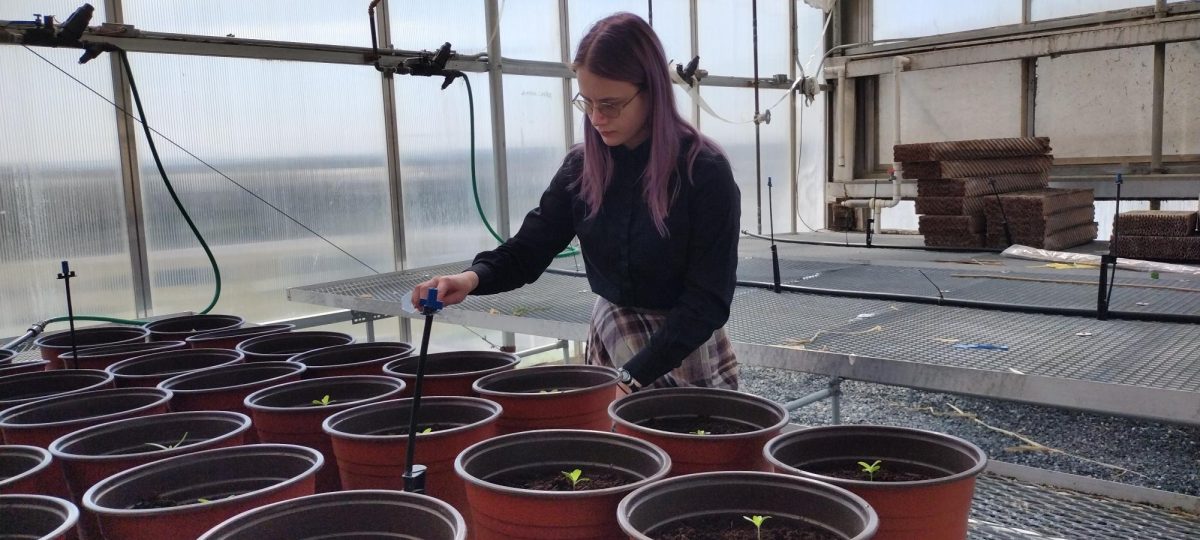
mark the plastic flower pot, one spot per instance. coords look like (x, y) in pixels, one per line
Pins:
(29, 469)
(229, 338)
(106, 355)
(26, 387)
(673, 418)
(551, 397)
(352, 359)
(36, 517)
(151, 369)
(14, 368)
(931, 509)
(499, 511)
(38, 423)
(186, 326)
(280, 347)
(205, 488)
(52, 345)
(6, 356)
(450, 373)
(225, 388)
(95, 453)
(292, 413)
(371, 442)
(720, 499)
(348, 514)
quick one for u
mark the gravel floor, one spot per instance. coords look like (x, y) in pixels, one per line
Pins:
(1131, 451)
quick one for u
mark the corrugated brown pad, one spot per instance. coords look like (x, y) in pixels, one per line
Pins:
(954, 240)
(948, 225)
(974, 187)
(1028, 205)
(1163, 248)
(1156, 223)
(1040, 225)
(1074, 236)
(971, 149)
(970, 168)
(950, 206)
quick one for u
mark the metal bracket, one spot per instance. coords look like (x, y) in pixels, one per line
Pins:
(360, 317)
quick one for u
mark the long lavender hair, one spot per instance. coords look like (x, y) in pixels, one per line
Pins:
(622, 47)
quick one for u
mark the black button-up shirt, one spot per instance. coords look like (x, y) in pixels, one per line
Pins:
(691, 273)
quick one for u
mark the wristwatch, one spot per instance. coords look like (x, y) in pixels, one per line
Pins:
(626, 378)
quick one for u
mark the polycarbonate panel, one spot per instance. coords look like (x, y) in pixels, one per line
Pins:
(810, 176)
(902, 217)
(441, 222)
(727, 37)
(529, 30)
(584, 13)
(673, 24)
(737, 104)
(309, 138)
(1087, 112)
(60, 184)
(1106, 210)
(946, 104)
(425, 27)
(896, 19)
(1052, 9)
(1181, 99)
(314, 21)
(533, 131)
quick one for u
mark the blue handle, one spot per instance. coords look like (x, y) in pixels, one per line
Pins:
(430, 304)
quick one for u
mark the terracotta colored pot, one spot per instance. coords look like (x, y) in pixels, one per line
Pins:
(229, 339)
(286, 413)
(186, 326)
(37, 517)
(787, 499)
(352, 359)
(29, 470)
(14, 368)
(501, 512)
(225, 388)
(26, 387)
(280, 347)
(933, 509)
(551, 397)
(369, 460)
(151, 369)
(106, 355)
(450, 373)
(95, 453)
(691, 453)
(52, 345)
(231, 480)
(38, 423)
(357, 514)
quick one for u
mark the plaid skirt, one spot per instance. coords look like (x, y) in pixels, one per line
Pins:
(617, 333)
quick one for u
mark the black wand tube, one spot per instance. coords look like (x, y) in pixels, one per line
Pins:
(414, 475)
(66, 276)
(774, 248)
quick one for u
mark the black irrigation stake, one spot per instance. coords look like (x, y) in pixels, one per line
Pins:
(66, 276)
(414, 475)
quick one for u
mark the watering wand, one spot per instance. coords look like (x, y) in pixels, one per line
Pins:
(774, 248)
(1103, 297)
(414, 475)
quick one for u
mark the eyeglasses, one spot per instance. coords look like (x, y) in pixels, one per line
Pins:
(608, 109)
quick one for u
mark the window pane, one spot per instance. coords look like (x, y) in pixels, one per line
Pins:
(810, 203)
(585, 13)
(529, 30)
(673, 24)
(315, 21)
(1085, 114)
(944, 105)
(60, 185)
(461, 22)
(309, 138)
(737, 104)
(1181, 100)
(533, 130)
(727, 36)
(1052, 9)
(441, 222)
(894, 19)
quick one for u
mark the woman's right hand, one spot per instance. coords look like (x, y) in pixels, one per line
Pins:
(451, 289)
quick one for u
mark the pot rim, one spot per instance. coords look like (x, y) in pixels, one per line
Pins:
(67, 507)
(164, 397)
(407, 349)
(669, 393)
(227, 333)
(387, 368)
(234, 321)
(480, 383)
(168, 383)
(251, 400)
(967, 448)
(56, 447)
(258, 340)
(40, 342)
(234, 356)
(101, 351)
(328, 424)
(98, 384)
(46, 460)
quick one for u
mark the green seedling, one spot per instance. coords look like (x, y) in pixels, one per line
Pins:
(870, 468)
(323, 401)
(170, 446)
(203, 500)
(757, 521)
(700, 432)
(427, 430)
(550, 391)
(575, 477)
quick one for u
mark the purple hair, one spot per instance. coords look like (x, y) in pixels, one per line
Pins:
(622, 47)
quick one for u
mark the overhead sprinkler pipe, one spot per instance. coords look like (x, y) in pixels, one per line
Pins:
(899, 63)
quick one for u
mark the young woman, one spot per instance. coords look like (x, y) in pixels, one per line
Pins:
(656, 210)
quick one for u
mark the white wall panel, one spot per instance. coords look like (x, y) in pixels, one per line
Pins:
(1096, 104)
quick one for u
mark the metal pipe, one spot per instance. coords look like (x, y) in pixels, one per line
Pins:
(841, 110)
(560, 344)
(810, 399)
(757, 123)
(1156, 110)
